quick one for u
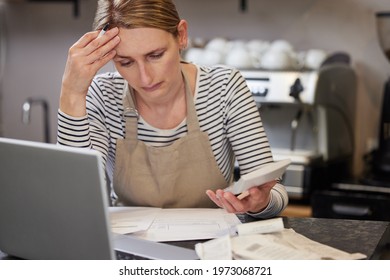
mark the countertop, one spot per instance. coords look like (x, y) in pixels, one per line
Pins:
(371, 238)
(353, 236)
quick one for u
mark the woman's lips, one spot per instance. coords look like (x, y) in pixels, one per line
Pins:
(153, 87)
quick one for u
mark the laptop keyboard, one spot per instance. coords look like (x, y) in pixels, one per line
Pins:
(127, 256)
(128, 247)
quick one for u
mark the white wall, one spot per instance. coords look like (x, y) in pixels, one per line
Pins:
(39, 35)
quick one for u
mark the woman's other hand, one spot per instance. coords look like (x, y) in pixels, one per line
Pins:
(255, 202)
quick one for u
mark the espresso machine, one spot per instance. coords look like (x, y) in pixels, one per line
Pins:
(368, 196)
(378, 163)
(308, 116)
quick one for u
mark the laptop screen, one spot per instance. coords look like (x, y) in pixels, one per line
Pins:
(53, 202)
(54, 205)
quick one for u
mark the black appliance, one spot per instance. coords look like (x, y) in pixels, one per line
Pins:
(367, 198)
(378, 163)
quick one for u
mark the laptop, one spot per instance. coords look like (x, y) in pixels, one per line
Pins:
(54, 205)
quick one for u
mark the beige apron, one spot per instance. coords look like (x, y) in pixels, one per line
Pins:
(177, 175)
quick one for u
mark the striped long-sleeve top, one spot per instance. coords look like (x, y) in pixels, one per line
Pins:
(226, 111)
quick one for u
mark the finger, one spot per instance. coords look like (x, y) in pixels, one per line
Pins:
(104, 60)
(214, 198)
(86, 39)
(221, 201)
(228, 207)
(232, 202)
(225, 202)
(100, 52)
(90, 47)
(102, 40)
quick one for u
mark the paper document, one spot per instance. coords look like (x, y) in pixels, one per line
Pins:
(131, 219)
(264, 247)
(284, 244)
(266, 226)
(258, 177)
(174, 224)
(216, 249)
(190, 224)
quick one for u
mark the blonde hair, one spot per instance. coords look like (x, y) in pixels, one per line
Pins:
(161, 14)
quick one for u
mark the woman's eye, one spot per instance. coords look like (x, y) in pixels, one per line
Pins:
(126, 63)
(156, 55)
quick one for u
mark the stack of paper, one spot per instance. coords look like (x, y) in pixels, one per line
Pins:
(267, 240)
(175, 224)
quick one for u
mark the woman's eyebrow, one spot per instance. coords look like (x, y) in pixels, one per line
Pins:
(118, 56)
(121, 57)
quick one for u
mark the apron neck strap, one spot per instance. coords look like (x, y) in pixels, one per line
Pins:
(130, 113)
(192, 117)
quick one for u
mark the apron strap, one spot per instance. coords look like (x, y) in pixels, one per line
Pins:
(192, 118)
(130, 113)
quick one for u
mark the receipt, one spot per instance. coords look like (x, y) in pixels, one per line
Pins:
(266, 226)
(215, 249)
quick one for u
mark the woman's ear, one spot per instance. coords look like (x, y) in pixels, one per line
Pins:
(182, 34)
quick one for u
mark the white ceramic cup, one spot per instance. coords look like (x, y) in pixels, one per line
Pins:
(314, 58)
(193, 55)
(239, 58)
(211, 57)
(217, 44)
(276, 59)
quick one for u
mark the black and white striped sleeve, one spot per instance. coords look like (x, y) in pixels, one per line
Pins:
(249, 140)
(72, 131)
(244, 126)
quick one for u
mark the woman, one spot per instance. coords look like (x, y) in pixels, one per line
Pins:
(169, 132)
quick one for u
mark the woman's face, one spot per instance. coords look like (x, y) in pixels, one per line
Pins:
(149, 59)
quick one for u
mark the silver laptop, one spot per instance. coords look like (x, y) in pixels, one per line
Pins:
(54, 205)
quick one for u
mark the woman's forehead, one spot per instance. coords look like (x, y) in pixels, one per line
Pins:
(142, 40)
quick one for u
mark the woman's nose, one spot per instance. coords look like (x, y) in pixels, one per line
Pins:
(145, 74)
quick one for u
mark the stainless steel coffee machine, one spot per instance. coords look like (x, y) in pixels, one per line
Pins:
(308, 117)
